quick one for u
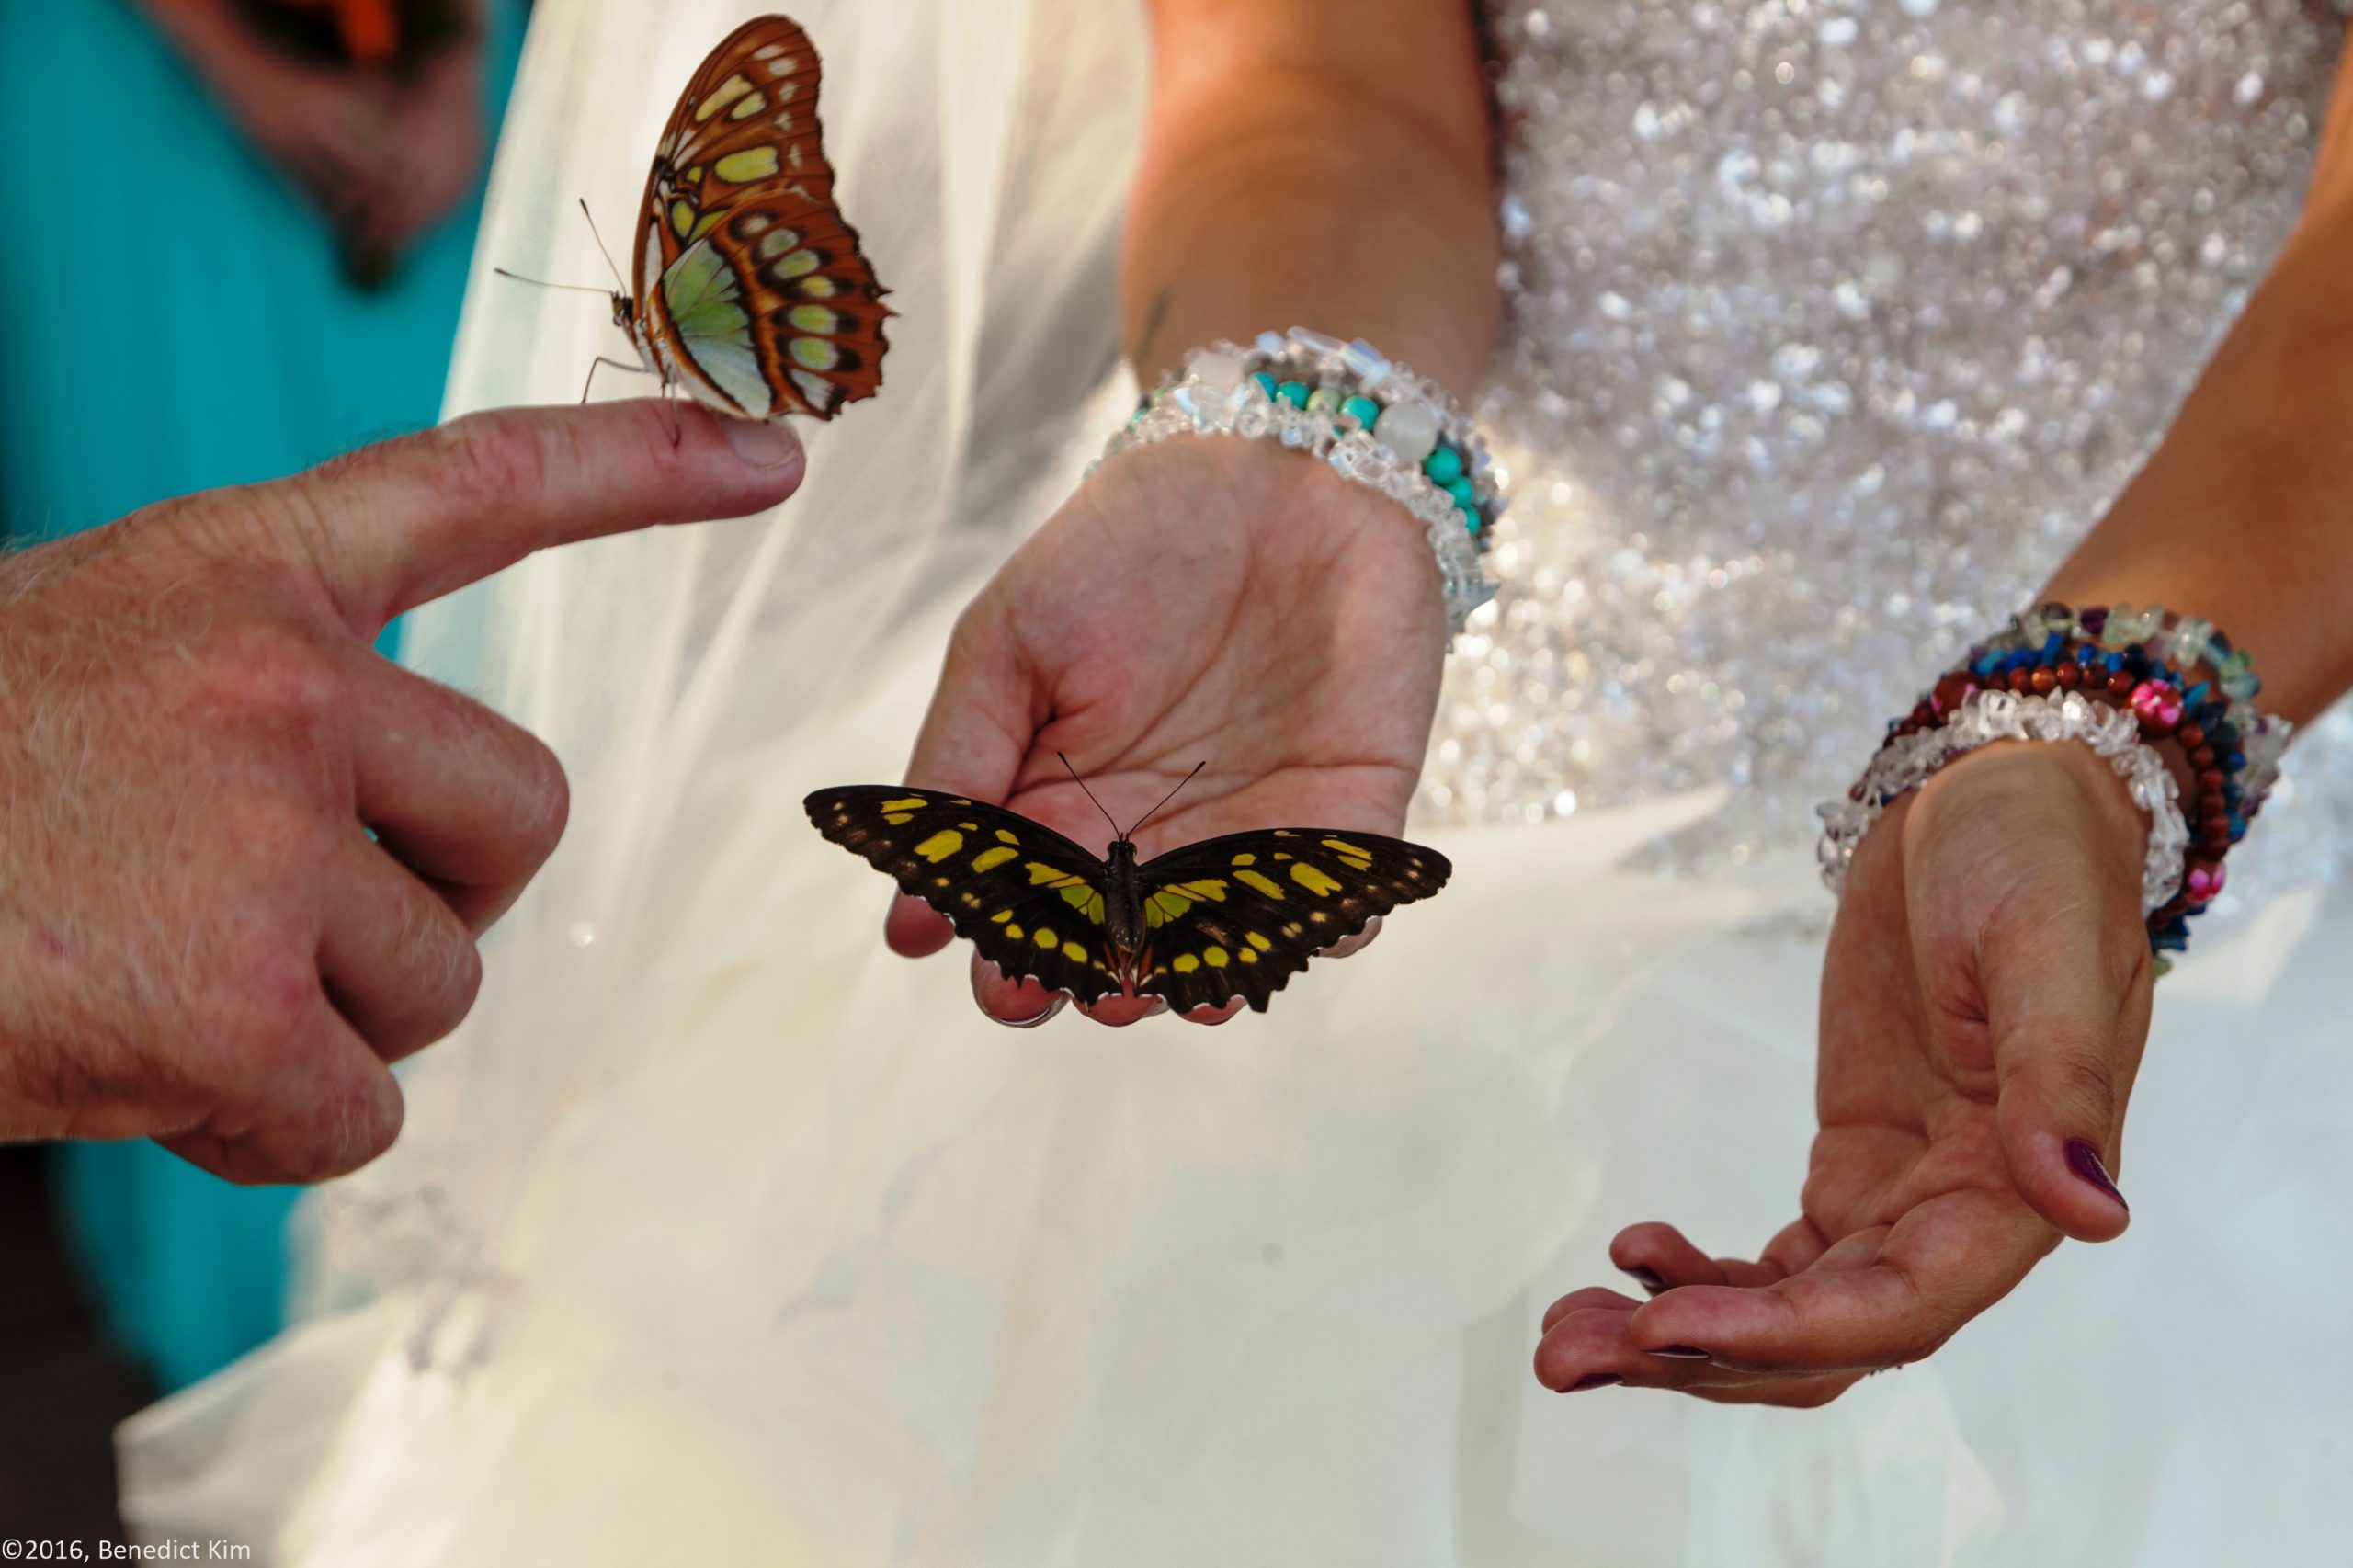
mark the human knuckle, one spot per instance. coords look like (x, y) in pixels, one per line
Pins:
(260, 996)
(446, 966)
(484, 458)
(356, 1123)
(2082, 1079)
(462, 978)
(268, 670)
(268, 832)
(543, 797)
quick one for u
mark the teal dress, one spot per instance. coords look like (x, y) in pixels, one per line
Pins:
(178, 319)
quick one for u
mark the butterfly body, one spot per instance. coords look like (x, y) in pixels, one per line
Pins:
(1127, 930)
(751, 290)
(1206, 924)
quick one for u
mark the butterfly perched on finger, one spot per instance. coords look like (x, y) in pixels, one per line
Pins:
(752, 292)
(1226, 918)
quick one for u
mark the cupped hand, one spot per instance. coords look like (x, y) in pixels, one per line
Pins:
(1984, 1001)
(246, 858)
(1205, 600)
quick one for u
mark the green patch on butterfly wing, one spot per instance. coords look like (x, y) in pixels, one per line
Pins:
(714, 330)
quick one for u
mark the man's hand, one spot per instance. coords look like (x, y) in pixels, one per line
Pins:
(242, 858)
(1984, 1001)
(1204, 600)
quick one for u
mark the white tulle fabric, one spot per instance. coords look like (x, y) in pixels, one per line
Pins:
(718, 1235)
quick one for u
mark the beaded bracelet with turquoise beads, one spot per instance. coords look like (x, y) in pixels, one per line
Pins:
(1216, 393)
(1363, 390)
(1411, 416)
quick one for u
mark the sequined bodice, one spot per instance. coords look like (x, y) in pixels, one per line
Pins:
(1833, 323)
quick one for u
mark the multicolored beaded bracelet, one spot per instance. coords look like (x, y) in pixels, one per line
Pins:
(1370, 420)
(2116, 658)
(1986, 715)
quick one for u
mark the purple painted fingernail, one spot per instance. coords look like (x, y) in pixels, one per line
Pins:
(1593, 1381)
(1648, 1279)
(1684, 1353)
(2083, 1160)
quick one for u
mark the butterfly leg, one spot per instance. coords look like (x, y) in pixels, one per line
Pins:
(616, 364)
(677, 427)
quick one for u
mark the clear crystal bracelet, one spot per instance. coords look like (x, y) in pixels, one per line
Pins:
(1908, 761)
(1369, 419)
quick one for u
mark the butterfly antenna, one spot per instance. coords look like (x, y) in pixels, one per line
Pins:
(1165, 799)
(1090, 795)
(543, 283)
(600, 244)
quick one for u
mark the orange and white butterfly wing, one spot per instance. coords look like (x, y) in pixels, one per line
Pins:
(751, 288)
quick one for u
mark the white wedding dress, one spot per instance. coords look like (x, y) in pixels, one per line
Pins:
(720, 1235)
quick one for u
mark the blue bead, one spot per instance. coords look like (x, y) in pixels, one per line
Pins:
(1265, 380)
(2234, 761)
(1460, 490)
(2086, 655)
(2051, 646)
(2238, 826)
(1471, 520)
(2194, 696)
(2231, 794)
(2220, 737)
(1363, 410)
(1444, 465)
(1293, 393)
(2219, 643)
(2114, 662)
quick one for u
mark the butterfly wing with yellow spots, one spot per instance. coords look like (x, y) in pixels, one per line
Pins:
(1030, 899)
(1237, 916)
(752, 290)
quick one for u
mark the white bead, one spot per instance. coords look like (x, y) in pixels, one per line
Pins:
(1219, 368)
(1408, 429)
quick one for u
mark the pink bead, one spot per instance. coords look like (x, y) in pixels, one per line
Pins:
(2158, 703)
(2201, 882)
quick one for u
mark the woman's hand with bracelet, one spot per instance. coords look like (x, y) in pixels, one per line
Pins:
(1984, 1001)
(1209, 600)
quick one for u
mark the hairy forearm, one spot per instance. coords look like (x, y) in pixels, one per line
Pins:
(2244, 514)
(1313, 165)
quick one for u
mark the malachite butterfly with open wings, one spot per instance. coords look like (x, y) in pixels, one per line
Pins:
(751, 290)
(1225, 919)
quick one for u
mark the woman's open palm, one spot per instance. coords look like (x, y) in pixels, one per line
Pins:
(1210, 601)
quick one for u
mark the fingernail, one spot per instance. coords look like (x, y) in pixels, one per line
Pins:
(1647, 1279)
(2085, 1162)
(1593, 1381)
(762, 444)
(1684, 1353)
(1052, 1007)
